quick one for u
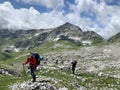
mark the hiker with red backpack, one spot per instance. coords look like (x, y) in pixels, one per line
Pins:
(32, 64)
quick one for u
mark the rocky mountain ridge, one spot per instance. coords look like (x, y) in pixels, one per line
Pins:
(115, 38)
(33, 38)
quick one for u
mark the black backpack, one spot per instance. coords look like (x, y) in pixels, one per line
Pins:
(36, 55)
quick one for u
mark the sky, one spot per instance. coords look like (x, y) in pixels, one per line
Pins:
(101, 16)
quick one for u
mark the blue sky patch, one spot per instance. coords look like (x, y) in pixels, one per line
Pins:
(110, 2)
(19, 5)
(88, 14)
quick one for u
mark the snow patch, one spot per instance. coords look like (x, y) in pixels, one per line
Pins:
(56, 39)
(87, 42)
(37, 34)
(10, 48)
(75, 38)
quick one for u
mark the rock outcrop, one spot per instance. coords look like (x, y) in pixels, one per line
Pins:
(7, 71)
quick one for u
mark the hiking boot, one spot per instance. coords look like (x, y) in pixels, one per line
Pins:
(33, 80)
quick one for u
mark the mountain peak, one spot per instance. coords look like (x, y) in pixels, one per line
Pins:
(68, 24)
(68, 28)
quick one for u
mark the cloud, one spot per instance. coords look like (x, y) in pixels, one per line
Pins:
(112, 2)
(112, 28)
(46, 3)
(108, 16)
(106, 21)
(24, 18)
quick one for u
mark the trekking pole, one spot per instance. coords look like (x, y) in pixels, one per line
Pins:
(24, 72)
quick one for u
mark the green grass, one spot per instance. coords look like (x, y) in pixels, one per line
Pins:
(98, 41)
(65, 79)
(83, 79)
(6, 81)
(4, 56)
(98, 81)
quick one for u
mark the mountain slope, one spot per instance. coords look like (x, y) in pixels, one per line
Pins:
(115, 38)
(27, 39)
(93, 36)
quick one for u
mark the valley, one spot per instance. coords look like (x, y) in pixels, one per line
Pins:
(98, 66)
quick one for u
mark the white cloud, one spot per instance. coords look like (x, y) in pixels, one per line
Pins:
(107, 17)
(23, 18)
(112, 28)
(27, 18)
(46, 3)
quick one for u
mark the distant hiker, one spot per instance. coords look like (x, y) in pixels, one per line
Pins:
(56, 62)
(74, 63)
(32, 64)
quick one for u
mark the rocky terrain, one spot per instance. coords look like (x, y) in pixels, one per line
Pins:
(98, 68)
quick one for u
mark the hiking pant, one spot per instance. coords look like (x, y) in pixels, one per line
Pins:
(73, 70)
(32, 72)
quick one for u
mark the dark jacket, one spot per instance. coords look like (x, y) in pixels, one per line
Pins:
(74, 63)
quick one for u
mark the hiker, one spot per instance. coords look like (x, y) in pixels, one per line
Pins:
(74, 63)
(56, 62)
(32, 64)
